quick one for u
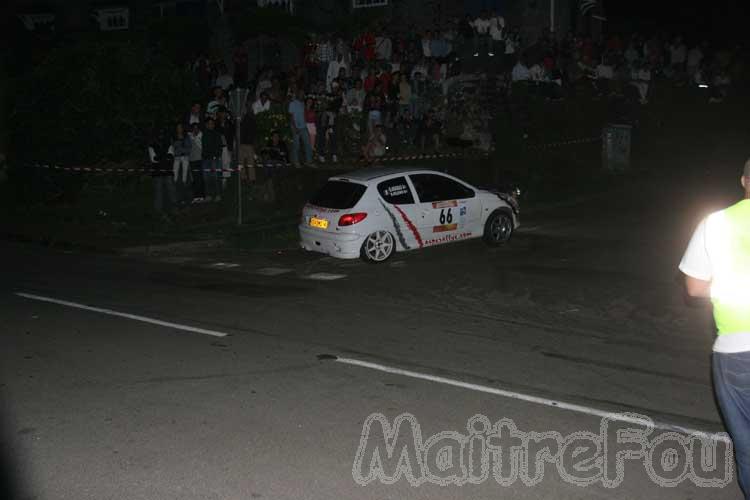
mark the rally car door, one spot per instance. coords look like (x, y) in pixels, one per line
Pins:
(396, 198)
(448, 209)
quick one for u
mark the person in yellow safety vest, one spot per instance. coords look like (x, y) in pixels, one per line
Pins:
(717, 266)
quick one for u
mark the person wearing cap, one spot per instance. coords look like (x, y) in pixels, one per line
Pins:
(716, 265)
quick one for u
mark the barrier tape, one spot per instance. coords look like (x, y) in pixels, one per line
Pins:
(558, 144)
(149, 170)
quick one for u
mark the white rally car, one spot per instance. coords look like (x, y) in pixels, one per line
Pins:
(371, 213)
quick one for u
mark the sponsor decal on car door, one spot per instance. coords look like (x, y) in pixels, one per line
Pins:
(398, 202)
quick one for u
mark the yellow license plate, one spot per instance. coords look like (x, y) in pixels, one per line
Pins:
(320, 223)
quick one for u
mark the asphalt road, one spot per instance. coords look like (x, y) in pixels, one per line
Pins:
(580, 315)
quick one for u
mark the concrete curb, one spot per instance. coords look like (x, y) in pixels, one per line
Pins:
(173, 247)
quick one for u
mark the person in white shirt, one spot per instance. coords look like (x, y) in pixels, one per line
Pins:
(396, 63)
(520, 72)
(537, 73)
(224, 80)
(264, 83)
(355, 97)
(262, 105)
(641, 80)
(605, 73)
(497, 33)
(715, 268)
(482, 33)
(333, 70)
(383, 48)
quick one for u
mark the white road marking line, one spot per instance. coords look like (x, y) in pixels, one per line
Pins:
(225, 264)
(324, 276)
(272, 271)
(620, 417)
(176, 260)
(110, 312)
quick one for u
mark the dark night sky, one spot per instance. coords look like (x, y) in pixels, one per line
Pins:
(713, 19)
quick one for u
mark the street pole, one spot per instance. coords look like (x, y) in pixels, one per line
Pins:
(239, 171)
(552, 16)
(237, 101)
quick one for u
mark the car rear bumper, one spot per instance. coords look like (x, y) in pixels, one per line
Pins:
(340, 245)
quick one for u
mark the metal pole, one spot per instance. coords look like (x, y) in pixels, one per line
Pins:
(239, 170)
(552, 16)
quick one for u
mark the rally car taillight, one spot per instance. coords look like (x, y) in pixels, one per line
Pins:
(350, 219)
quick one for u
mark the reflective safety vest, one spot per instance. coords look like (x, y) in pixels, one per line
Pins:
(728, 241)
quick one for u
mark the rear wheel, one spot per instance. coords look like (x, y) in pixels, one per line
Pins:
(498, 228)
(378, 247)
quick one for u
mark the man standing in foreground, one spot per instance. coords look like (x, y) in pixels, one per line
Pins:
(717, 266)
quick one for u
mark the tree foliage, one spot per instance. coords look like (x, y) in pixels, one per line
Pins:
(96, 100)
(268, 21)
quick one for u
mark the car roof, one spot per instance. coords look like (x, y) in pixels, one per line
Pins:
(369, 174)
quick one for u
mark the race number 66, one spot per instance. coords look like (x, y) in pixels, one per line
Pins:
(446, 218)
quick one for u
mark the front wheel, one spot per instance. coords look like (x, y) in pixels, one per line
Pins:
(378, 247)
(498, 228)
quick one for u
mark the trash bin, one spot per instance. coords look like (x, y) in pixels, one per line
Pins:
(616, 147)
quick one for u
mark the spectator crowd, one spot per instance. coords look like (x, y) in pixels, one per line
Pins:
(384, 90)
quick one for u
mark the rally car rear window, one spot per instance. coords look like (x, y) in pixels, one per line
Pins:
(338, 194)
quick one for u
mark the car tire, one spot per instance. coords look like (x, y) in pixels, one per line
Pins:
(378, 247)
(498, 229)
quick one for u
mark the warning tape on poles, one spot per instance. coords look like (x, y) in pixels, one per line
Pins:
(258, 164)
(570, 142)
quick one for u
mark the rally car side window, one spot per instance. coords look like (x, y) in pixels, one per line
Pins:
(432, 187)
(396, 191)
